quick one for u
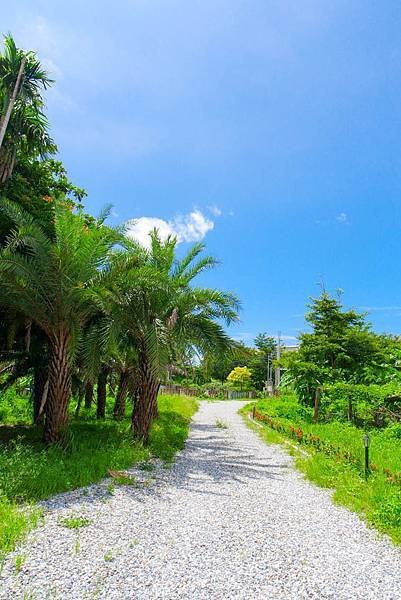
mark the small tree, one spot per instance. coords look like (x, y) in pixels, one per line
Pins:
(23, 125)
(240, 377)
(152, 304)
(50, 282)
(340, 347)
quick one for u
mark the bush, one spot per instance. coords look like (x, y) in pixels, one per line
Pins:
(14, 408)
(393, 431)
(214, 389)
(361, 404)
(285, 407)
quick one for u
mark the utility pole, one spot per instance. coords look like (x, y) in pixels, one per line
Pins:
(5, 119)
(277, 369)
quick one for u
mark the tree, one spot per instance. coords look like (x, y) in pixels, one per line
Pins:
(264, 353)
(341, 340)
(23, 125)
(153, 304)
(49, 281)
(340, 347)
(240, 377)
(102, 391)
(218, 366)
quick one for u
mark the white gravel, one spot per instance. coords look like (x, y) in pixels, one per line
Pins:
(232, 519)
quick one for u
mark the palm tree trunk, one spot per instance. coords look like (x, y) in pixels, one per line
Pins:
(81, 392)
(39, 387)
(88, 394)
(119, 406)
(101, 393)
(7, 163)
(5, 119)
(145, 408)
(59, 387)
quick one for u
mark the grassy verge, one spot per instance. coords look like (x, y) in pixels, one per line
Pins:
(29, 473)
(332, 457)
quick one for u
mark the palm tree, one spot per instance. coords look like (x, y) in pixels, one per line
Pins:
(124, 363)
(49, 280)
(23, 125)
(161, 314)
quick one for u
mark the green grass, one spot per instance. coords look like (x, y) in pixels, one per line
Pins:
(14, 523)
(29, 473)
(74, 522)
(376, 499)
(125, 480)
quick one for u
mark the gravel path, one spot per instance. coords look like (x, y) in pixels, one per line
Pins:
(232, 519)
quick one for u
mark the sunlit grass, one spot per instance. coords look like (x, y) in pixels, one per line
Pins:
(29, 473)
(374, 498)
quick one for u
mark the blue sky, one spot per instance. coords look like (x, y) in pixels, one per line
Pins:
(272, 129)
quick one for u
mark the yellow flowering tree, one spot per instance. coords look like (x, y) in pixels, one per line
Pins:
(240, 377)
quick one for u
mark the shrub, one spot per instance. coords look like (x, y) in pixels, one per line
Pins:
(361, 404)
(285, 407)
(393, 431)
(14, 408)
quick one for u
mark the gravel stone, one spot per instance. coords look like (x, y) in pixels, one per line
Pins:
(231, 519)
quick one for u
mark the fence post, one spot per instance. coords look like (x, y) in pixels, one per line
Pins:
(253, 411)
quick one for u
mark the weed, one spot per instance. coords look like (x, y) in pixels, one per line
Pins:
(19, 562)
(147, 466)
(221, 424)
(74, 522)
(125, 480)
(108, 556)
(15, 523)
(111, 488)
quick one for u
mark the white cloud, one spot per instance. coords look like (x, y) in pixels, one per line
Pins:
(342, 218)
(215, 210)
(191, 227)
(39, 34)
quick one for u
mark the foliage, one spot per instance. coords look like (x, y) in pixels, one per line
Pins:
(34, 186)
(286, 407)
(150, 305)
(74, 522)
(364, 405)
(240, 377)
(27, 131)
(341, 347)
(14, 408)
(49, 282)
(217, 366)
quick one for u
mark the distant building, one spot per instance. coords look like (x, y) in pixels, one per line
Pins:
(290, 348)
